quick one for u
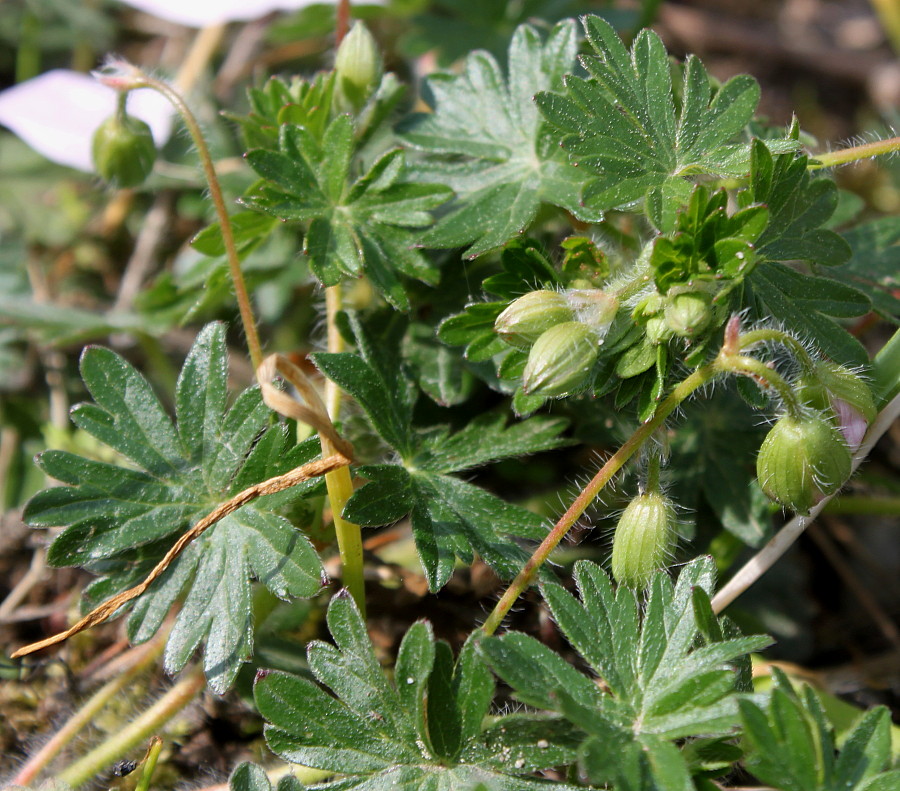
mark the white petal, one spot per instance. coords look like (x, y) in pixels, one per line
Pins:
(57, 113)
(200, 13)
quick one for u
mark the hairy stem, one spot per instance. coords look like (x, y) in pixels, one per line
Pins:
(338, 482)
(777, 336)
(138, 79)
(525, 578)
(750, 366)
(147, 654)
(139, 730)
(760, 563)
(846, 155)
(156, 745)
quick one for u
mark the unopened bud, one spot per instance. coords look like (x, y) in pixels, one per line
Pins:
(689, 314)
(358, 65)
(802, 459)
(644, 538)
(845, 392)
(123, 150)
(593, 307)
(530, 316)
(561, 360)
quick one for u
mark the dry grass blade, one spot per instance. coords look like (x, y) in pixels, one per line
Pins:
(277, 484)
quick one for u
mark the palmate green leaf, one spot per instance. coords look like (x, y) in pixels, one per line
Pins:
(792, 746)
(121, 520)
(487, 141)
(799, 208)
(669, 675)
(355, 226)
(874, 265)
(424, 730)
(622, 123)
(450, 518)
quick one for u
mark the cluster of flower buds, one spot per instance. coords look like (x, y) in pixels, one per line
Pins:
(644, 539)
(681, 313)
(123, 150)
(562, 332)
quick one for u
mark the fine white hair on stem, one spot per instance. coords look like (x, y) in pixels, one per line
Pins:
(760, 563)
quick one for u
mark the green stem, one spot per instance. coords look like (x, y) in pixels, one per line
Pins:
(886, 371)
(339, 482)
(156, 746)
(141, 80)
(147, 654)
(864, 506)
(844, 156)
(28, 52)
(525, 578)
(777, 336)
(653, 466)
(349, 536)
(638, 278)
(750, 366)
(139, 730)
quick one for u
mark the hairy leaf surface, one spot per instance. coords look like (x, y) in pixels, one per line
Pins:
(450, 517)
(424, 730)
(120, 520)
(487, 141)
(666, 673)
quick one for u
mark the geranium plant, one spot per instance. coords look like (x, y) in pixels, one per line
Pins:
(585, 239)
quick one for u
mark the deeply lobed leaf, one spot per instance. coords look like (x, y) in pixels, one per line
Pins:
(423, 730)
(119, 521)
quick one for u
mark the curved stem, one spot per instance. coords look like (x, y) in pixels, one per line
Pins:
(138, 79)
(760, 563)
(748, 339)
(854, 154)
(139, 730)
(525, 577)
(742, 364)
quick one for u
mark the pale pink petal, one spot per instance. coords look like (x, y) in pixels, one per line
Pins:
(201, 13)
(852, 424)
(57, 113)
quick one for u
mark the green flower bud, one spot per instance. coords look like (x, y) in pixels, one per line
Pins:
(658, 330)
(560, 361)
(123, 150)
(844, 385)
(530, 316)
(358, 65)
(645, 536)
(689, 314)
(593, 307)
(802, 460)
